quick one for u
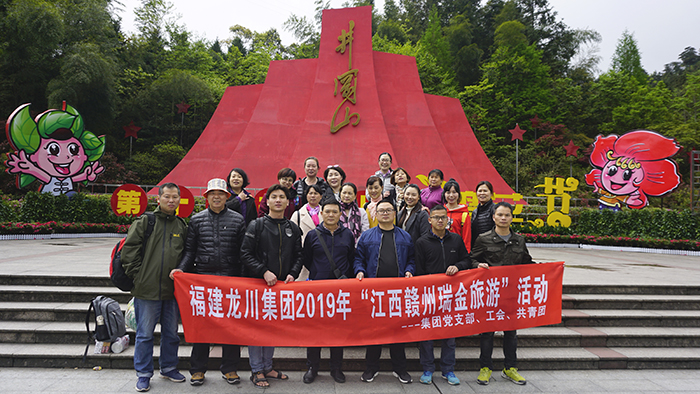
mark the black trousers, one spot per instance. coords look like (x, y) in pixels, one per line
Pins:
(199, 359)
(510, 346)
(313, 358)
(398, 357)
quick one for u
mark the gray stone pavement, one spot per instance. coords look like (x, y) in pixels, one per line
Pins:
(28, 380)
(90, 257)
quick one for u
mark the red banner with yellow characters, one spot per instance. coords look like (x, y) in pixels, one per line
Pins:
(350, 312)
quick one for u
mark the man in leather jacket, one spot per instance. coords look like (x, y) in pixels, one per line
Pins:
(213, 248)
(500, 246)
(271, 250)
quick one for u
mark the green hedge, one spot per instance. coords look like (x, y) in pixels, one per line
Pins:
(647, 223)
(37, 207)
(81, 208)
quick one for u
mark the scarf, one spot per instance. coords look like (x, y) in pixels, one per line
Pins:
(313, 212)
(399, 194)
(352, 221)
(372, 206)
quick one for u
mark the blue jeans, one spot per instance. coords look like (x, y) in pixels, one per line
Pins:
(447, 356)
(260, 358)
(148, 313)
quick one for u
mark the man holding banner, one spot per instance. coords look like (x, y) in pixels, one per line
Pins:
(440, 251)
(271, 250)
(329, 252)
(213, 248)
(500, 247)
(385, 251)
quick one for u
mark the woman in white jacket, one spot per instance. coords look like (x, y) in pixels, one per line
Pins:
(308, 217)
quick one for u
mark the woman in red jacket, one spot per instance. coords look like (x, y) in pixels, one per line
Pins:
(457, 214)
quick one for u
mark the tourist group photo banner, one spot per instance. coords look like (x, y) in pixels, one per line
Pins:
(350, 312)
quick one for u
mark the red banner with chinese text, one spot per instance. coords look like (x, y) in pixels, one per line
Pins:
(349, 312)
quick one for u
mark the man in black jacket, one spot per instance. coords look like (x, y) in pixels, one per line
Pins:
(440, 251)
(271, 250)
(500, 246)
(213, 248)
(329, 240)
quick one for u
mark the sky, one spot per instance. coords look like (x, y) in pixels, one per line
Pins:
(662, 28)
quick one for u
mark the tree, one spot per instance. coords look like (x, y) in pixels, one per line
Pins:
(627, 59)
(153, 166)
(515, 85)
(32, 33)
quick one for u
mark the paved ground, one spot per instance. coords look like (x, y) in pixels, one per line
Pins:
(91, 256)
(26, 380)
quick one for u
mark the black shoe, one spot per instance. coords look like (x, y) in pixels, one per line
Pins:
(403, 376)
(310, 375)
(338, 375)
(369, 375)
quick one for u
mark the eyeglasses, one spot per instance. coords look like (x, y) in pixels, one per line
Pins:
(384, 211)
(439, 218)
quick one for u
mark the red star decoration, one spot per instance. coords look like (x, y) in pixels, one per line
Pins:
(182, 108)
(571, 149)
(131, 130)
(517, 133)
(535, 121)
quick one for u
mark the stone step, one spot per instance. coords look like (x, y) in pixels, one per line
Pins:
(631, 301)
(41, 293)
(103, 281)
(632, 289)
(294, 359)
(44, 293)
(45, 311)
(57, 280)
(75, 312)
(629, 318)
(563, 337)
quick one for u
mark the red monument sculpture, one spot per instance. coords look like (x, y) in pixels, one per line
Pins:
(346, 107)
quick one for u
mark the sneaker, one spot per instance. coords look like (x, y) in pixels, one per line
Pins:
(451, 378)
(404, 377)
(231, 377)
(484, 376)
(143, 384)
(174, 376)
(513, 375)
(427, 377)
(369, 375)
(197, 379)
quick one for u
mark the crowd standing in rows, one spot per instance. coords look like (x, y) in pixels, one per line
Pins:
(400, 231)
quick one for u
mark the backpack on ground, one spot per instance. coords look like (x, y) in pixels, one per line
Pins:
(116, 270)
(109, 321)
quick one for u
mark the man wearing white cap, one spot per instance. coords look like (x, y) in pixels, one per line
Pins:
(213, 248)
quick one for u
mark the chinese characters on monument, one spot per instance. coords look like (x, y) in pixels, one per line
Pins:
(347, 82)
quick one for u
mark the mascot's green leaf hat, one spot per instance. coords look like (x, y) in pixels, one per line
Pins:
(25, 133)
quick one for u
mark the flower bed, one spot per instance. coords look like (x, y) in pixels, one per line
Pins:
(56, 227)
(679, 244)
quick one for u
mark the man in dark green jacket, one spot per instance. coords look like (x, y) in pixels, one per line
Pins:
(154, 298)
(500, 246)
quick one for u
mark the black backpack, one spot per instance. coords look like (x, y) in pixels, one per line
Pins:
(116, 270)
(109, 321)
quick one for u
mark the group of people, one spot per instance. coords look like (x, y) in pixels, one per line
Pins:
(313, 229)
